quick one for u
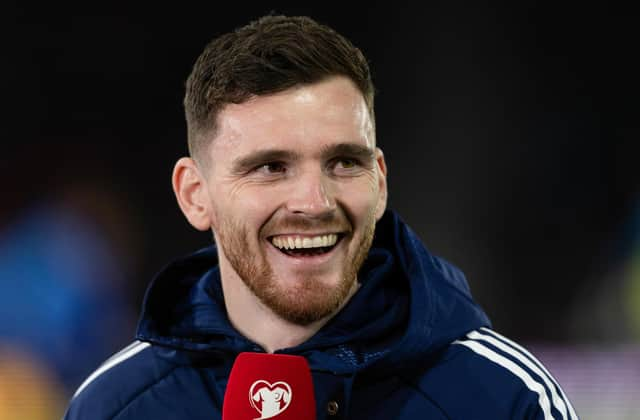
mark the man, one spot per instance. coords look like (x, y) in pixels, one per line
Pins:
(285, 171)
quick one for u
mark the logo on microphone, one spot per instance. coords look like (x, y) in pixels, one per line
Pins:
(269, 399)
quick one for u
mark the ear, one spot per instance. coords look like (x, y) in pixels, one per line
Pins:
(191, 193)
(382, 183)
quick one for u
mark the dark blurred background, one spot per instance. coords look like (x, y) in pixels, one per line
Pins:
(510, 134)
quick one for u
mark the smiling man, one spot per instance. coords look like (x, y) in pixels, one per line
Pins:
(291, 186)
(285, 172)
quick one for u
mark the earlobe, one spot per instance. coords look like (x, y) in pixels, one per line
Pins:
(190, 190)
(382, 183)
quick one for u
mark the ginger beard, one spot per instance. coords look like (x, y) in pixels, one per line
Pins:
(309, 300)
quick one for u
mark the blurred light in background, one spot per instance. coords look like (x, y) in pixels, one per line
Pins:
(28, 388)
(63, 306)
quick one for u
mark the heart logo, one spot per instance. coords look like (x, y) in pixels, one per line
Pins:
(269, 399)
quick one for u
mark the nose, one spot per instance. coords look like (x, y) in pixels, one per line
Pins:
(312, 194)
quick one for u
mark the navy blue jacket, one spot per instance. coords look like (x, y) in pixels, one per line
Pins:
(410, 344)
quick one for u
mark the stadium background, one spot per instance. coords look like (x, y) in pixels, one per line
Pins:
(511, 138)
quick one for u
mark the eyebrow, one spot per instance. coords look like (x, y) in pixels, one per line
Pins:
(357, 151)
(260, 157)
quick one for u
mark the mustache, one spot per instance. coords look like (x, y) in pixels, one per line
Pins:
(329, 222)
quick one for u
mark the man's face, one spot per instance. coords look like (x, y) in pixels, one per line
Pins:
(296, 185)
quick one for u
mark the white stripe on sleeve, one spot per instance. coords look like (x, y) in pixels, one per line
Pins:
(124, 350)
(533, 385)
(118, 358)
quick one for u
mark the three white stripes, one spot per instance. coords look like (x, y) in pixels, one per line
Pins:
(540, 365)
(528, 360)
(129, 351)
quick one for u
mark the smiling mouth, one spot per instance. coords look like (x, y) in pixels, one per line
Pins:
(304, 246)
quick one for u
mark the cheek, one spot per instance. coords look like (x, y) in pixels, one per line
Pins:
(250, 208)
(360, 199)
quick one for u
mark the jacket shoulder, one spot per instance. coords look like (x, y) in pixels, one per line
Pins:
(116, 382)
(487, 374)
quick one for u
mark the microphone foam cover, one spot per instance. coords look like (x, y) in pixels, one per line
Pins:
(264, 386)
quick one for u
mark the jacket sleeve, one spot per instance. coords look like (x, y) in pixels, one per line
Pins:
(110, 387)
(534, 393)
(484, 375)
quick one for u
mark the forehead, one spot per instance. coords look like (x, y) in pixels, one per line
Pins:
(305, 117)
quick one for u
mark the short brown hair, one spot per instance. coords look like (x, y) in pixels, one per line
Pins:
(269, 55)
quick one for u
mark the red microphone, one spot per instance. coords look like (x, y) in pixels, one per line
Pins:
(265, 386)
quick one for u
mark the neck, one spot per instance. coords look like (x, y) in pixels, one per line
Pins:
(259, 323)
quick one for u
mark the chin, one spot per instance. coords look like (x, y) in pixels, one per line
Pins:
(307, 300)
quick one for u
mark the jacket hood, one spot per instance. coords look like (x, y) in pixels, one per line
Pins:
(411, 305)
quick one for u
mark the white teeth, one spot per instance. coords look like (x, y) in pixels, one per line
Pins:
(296, 242)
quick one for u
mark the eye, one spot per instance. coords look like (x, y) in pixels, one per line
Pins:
(346, 163)
(271, 168)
